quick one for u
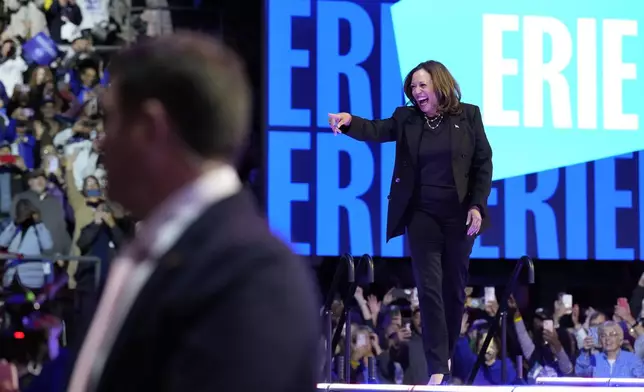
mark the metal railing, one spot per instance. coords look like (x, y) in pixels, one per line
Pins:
(500, 319)
(346, 268)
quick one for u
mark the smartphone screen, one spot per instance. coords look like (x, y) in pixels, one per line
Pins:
(580, 335)
(490, 295)
(401, 293)
(623, 302)
(549, 325)
(53, 164)
(594, 333)
(566, 299)
(361, 340)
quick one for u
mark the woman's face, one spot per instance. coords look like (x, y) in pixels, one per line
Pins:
(48, 110)
(611, 339)
(422, 89)
(91, 184)
(6, 48)
(88, 76)
(41, 75)
(492, 350)
(362, 341)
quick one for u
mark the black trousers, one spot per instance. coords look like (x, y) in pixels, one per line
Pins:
(440, 251)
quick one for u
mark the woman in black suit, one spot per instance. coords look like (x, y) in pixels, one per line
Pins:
(442, 179)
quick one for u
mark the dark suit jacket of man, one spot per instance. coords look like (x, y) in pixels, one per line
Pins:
(228, 308)
(471, 158)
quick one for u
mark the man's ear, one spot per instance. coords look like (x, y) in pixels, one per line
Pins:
(154, 122)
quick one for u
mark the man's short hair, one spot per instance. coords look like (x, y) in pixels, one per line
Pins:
(201, 83)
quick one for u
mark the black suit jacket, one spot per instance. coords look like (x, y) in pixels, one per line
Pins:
(471, 157)
(228, 308)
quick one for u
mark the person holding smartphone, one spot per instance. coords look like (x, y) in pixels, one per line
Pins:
(365, 344)
(12, 170)
(612, 361)
(102, 237)
(541, 347)
(26, 235)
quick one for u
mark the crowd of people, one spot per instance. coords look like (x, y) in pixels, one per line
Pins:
(562, 340)
(52, 181)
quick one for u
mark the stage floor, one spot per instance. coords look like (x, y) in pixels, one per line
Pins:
(545, 385)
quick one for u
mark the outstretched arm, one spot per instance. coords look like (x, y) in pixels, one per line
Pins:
(380, 131)
(359, 128)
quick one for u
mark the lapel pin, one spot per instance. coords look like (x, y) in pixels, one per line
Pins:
(456, 126)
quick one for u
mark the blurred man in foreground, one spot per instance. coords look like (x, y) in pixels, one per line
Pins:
(205, 298)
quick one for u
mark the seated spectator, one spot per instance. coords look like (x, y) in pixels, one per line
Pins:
(52, 213)
(612, 361)
(26, 235)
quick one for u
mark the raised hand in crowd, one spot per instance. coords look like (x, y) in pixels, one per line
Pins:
(465, 324)
(623, 313)
(388, 298)
(552, 339)
(70, 159)
(51, 165)
(362, 303)
(588, 314)
(491, 307)
(98, 217)
(559, 311)
(359, 295)
(589, 343)
(108, 219)
(575, 316)
(512, 303)
(375, 343)
(403, 334)
(374, 307)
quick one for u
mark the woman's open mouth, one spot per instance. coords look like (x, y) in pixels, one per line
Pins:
(422, 101)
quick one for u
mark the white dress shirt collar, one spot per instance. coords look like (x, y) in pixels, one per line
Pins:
(167, 222)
